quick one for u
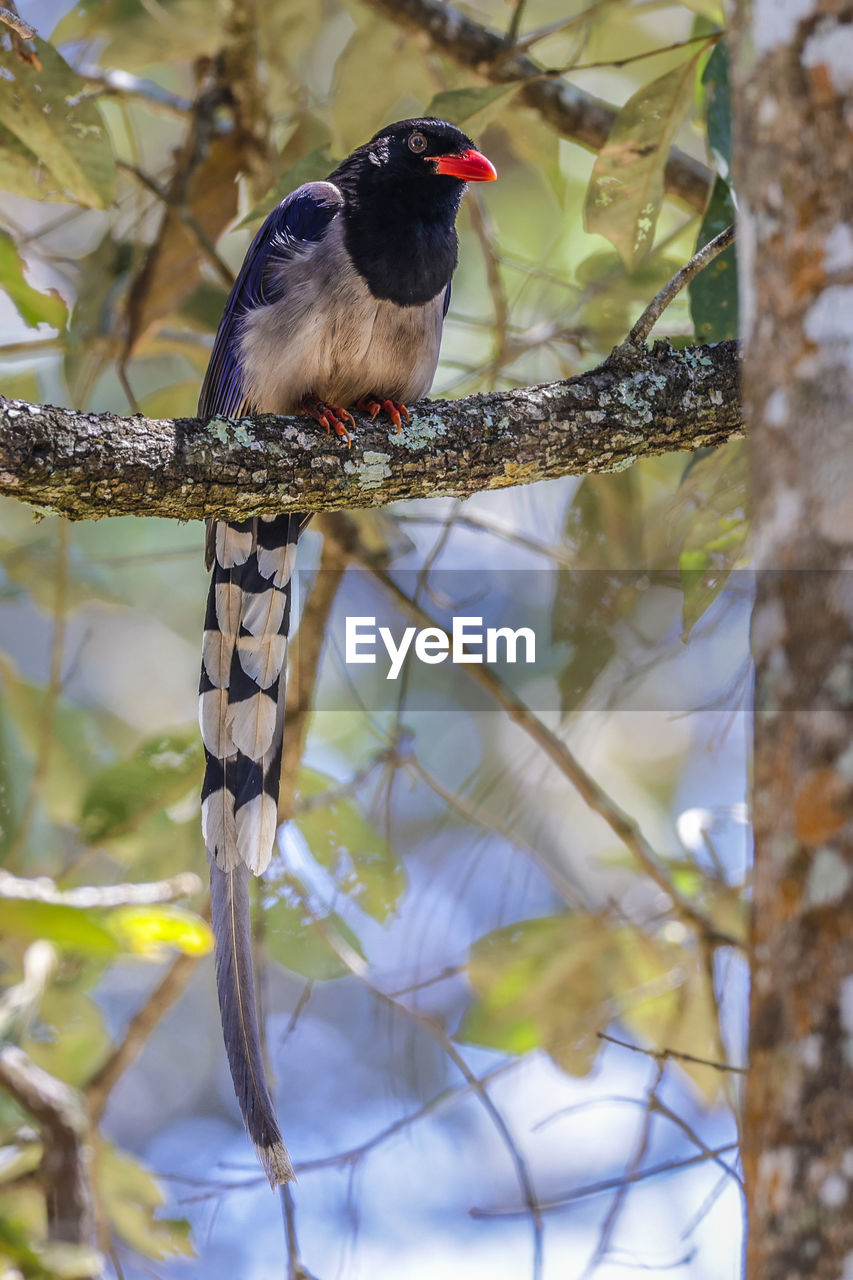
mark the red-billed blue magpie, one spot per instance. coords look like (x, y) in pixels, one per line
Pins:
(339, 304)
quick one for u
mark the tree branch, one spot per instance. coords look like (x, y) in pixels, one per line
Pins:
(572, 112)
(66, 1164)
(87, 465)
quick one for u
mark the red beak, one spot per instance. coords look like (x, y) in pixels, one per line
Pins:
(471, 166)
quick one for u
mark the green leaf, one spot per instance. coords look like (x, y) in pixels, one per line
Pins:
(313, 167)
(49, 112)
(712, 502)
(77, 1042)
(305, 944)
(604, 525)
(70, 928)
(543, 983)
(718, 115)
(472, 109)
(151, 930)
(23, 174)
(133, 34)
(626, 188)
(555, 982)
(713, 293)
(160, 772)
(364, 866)
(131, 1196)
(33, 307)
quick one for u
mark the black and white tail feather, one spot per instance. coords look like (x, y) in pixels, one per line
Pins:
(241, 712)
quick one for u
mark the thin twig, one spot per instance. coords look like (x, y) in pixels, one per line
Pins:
(620, 822)
(562, 25)
(515, 23)
(12, 19)
(713, 38)
(92, 897)
(452, 1094)
(658, 304)
(20, 33)
(569, 110)
(611, 1218)
(120, 83)
(208, 248)
(663, 1054)
(66, 1163)
(30, 347)
(143, 1022)
(609, 1184)
(358, 967)
(662, 1109)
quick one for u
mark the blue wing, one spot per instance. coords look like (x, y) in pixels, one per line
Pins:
(446, 300)
(300, 221)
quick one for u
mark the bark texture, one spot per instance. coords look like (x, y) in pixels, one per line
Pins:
(87, 465)
(794, 158)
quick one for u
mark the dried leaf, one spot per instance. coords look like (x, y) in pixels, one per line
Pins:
(626, 189)
(173, 265)
(472, 109)
(48, 111)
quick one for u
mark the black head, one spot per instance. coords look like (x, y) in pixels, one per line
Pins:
(402, 192)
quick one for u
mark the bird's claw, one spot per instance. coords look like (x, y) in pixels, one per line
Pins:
(394, 408)
(329, 416)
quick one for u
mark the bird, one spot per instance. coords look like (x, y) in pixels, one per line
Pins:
(338, 305)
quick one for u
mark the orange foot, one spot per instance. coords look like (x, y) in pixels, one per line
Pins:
(369, 404)
(328, 416)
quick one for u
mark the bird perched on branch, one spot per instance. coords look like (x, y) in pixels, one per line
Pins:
(339, 304)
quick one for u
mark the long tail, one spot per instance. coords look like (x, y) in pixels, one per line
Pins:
(229, 903)
(241, 712)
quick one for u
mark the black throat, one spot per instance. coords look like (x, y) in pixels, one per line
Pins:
(399, 231)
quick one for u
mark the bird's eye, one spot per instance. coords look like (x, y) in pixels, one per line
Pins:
(417, 143)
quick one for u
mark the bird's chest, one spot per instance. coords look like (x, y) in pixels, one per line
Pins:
(329, 336)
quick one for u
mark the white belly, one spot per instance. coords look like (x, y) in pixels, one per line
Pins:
(329, 337)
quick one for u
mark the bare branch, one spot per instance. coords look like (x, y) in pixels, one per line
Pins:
(620, 822)
(571, 111)
(65, 1168)
(138, 1031)
(87, 897)
(20, 32)
(610, 1184)
(13, 20)
(661, 1055)
(88, 465)
(673, 287)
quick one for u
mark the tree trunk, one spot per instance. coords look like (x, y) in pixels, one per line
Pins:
(794, 156)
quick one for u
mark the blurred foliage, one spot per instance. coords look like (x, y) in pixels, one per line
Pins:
(129, 192)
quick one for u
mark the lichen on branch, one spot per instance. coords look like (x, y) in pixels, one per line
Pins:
(90, 465)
